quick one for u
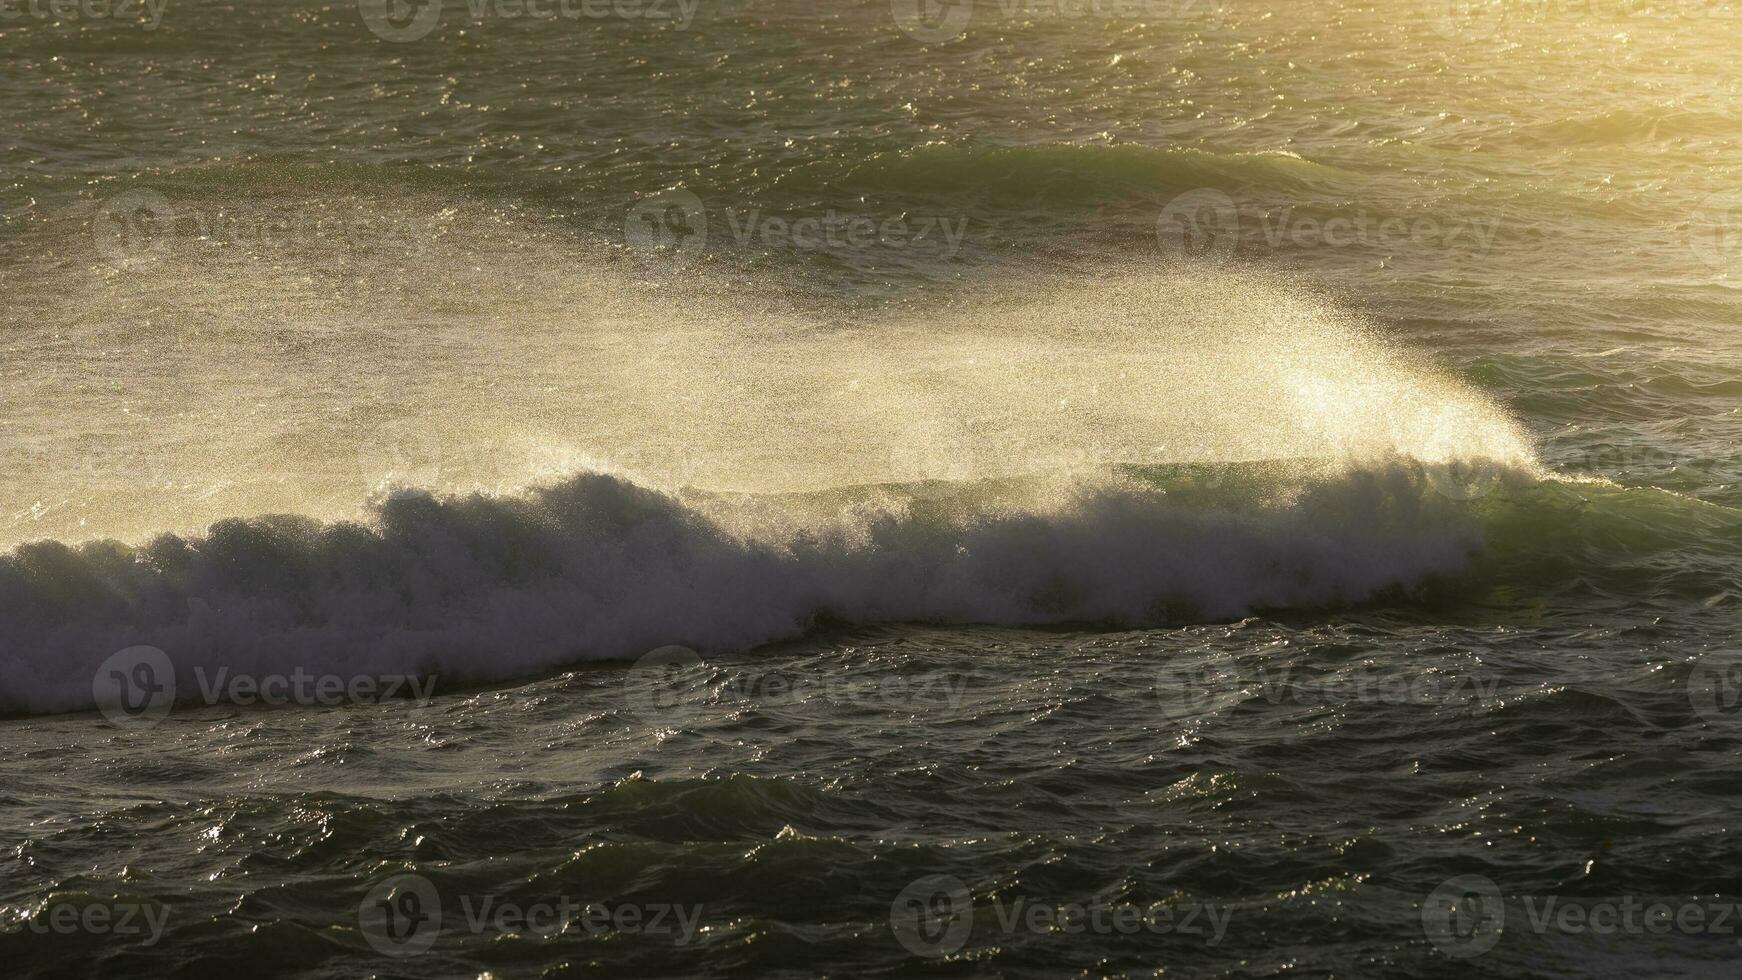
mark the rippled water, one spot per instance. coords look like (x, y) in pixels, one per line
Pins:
(1111, 488)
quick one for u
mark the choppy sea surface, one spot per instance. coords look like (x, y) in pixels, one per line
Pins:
(686, 488)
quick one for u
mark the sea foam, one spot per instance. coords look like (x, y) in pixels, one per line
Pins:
(481, 588)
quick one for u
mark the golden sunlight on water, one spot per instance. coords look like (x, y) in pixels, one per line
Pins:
(501, 355)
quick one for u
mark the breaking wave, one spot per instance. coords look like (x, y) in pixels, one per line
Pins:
(483, 587)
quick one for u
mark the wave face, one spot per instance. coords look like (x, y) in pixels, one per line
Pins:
(481, 588)
(625, 465)
(1065, 172)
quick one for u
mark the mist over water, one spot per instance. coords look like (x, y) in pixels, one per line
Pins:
(537, 451)
(497, 354)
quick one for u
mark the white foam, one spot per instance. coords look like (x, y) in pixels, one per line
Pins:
(476, 588)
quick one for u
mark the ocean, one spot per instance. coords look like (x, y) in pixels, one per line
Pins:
(870, 488)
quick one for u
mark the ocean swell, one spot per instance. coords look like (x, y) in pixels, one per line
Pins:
(479, 587)
(1084, 172)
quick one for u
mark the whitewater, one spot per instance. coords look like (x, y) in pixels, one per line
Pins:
(708, 463)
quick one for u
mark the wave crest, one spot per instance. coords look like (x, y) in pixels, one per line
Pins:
(481, 588)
